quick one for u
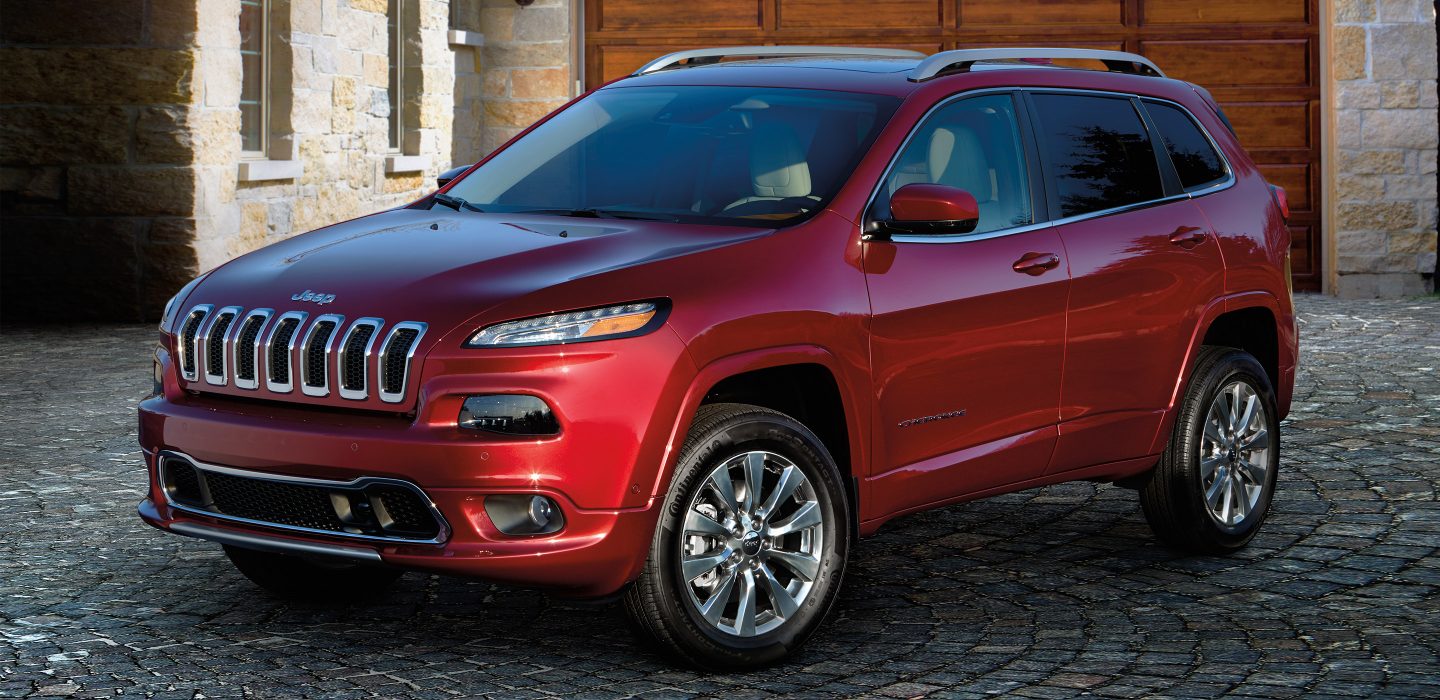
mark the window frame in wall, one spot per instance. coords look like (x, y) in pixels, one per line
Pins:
(405, 82)
(273, 159)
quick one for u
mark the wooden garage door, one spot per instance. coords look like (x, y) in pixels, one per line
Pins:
(1258, 57)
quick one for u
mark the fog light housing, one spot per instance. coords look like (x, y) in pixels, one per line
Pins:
(524, 514)
(508, 414)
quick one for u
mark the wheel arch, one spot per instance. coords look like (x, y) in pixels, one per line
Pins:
(805, 382)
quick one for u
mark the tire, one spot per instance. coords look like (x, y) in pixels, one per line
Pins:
(1204, 496)
(290, 576)
(796, 574)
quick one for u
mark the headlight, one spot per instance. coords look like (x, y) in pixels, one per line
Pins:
(172, 306)
(573, 326)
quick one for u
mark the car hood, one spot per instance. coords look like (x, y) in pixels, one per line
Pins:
(443, 267)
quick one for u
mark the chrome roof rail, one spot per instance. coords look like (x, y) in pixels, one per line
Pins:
(962, 59)
(681, 59)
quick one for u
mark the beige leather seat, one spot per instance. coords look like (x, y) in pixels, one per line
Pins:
(778, 171)
(956, 157)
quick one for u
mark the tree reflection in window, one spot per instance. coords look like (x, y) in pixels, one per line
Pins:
(1100, 152)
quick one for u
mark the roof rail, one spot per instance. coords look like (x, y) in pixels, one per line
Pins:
(680, 59)
(962, 59)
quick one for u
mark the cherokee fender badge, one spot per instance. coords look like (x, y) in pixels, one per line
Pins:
(931, 419)
(317, 297)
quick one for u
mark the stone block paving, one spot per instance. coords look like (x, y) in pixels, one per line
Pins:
(1050, 592)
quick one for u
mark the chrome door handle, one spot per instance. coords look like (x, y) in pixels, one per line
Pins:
(1035, 264)
(1187, 236)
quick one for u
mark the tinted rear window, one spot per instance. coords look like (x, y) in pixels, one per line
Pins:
(1195, 159)
(1099, 152)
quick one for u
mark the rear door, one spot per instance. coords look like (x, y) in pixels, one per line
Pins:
(1144, 264)
(966, 348)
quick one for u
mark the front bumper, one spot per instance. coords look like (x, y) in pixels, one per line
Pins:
(617, 415)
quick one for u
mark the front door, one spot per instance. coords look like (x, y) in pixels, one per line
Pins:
(968, 329)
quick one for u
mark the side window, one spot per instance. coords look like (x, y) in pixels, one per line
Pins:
(973, 144)
(1194, 157)
(1099, 151)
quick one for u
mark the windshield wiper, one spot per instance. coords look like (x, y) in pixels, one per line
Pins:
(592, 213)
(455, 203)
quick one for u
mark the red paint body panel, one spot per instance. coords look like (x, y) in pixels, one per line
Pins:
(1067, 374)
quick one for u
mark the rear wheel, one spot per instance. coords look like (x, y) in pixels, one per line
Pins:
(299, 577)
(751, 546)
(1212, 488)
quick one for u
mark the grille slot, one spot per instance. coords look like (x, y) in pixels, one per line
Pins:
(368, 508)
(279, 351)
(245, 347)
(315, 380)
(355, 358)
(215, 345)
(188, 366)
(395, 359)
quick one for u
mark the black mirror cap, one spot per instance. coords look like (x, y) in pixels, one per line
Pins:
(444, 178)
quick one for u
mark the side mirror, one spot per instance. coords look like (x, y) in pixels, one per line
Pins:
(444, 178)
(929, 209)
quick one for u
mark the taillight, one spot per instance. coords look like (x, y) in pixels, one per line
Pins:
(1281, 200)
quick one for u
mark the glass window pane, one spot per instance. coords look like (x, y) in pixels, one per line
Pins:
(1100, 151)
(250, 127)
(252, 75)
(396, 46)
(973, 144)
(1194, 157)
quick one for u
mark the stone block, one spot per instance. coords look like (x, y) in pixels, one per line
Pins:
(1354, 10)
(1388, 262)
(498, 23)
(1412, 242)
(342, 116)
(1370, 286)
(163, 135)
(113, 22)
(1371, 161)
(1359, 188)
(377, 70)
(167, 262)
(540, 83)
(542, 23)
(1403, 51)
(95, 76)
(1402, 11)
(1357, 94)
(496, 83)
(1419, 187)
(404, 183)
(63, 135)
(1376, 216)
(1348, 53)
(131, 191)
(378, 6)
(88, 267)
(42, 184)
(1399, 94)
(1352, 243)
(174, 24)
(1399, 128)
(509, 113)
(538, 55)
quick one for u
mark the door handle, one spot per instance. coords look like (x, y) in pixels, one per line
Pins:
(1187, 237)
(1035, 264)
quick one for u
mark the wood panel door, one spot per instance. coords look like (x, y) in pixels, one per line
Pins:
(1259, 59)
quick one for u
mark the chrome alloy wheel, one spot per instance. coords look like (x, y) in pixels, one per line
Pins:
(1234, 454)
(750, 549)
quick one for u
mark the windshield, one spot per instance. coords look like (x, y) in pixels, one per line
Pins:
(725, 155)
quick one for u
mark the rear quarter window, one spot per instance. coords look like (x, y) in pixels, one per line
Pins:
(1195, 159)
(1099, 152)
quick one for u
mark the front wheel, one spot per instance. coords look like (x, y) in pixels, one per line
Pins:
(751, 544)
(1212, 488)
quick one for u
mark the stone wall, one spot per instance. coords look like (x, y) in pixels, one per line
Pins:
(338, 119)
(1383, 61)
(97, 168)
(528, 65)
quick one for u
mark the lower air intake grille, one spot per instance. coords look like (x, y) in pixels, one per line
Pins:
(384, 509)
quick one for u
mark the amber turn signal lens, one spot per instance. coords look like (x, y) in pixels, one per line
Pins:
(619, 324)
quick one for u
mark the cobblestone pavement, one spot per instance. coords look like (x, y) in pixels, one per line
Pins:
(1047, 593)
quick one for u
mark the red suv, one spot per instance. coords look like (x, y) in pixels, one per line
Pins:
(688, 337)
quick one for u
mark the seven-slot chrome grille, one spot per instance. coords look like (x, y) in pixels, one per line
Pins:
(319, 356)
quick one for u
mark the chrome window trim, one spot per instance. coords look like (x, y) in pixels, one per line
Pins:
(234, 347)
(324, 388)
(357, 483)
(222, 378)
(288, 386)
(1027, 228)
(389, 397)
(192, 374)
(364, 391)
